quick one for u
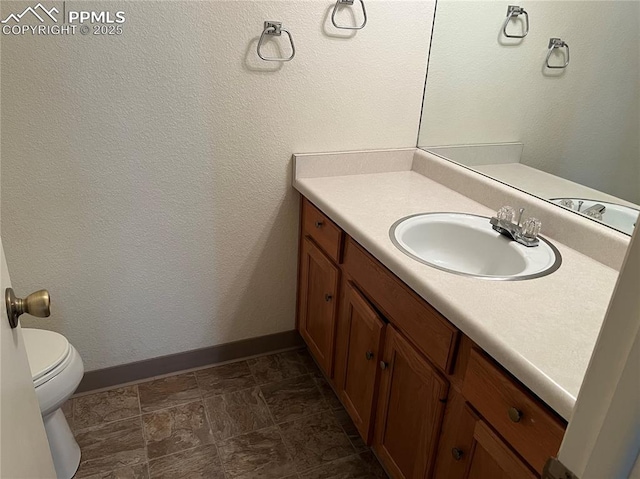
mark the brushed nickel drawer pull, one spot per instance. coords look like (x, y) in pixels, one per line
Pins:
(328, 297)
(319, 224)
(383, 365)
(457, 453)
(369, 355)
(515, 414)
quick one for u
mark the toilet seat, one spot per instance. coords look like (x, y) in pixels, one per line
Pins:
(48, 353)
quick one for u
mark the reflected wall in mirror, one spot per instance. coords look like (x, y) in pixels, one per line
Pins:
(569, 135)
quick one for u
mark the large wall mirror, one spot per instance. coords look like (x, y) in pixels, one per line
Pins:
(542, 95)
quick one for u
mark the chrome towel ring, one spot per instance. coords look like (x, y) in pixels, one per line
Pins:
(557, 43)
(514, 11)
(348, 2)
(275, 29)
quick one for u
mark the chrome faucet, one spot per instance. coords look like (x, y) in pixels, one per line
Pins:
(524, 233)
(595, 211)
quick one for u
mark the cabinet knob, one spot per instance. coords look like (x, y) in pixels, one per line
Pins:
(383, 365)
(328, 297)
(319, 224)
(369, 355)
(457, 453)
(515, 414)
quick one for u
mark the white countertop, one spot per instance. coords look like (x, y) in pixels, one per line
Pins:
(542, 330)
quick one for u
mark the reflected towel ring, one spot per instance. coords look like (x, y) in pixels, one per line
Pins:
(348, 2)
(557, 43)
(275, 29)
(514, 11)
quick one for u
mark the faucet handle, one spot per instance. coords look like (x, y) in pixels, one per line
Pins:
(506, 213)
(567, 203)
(531, 228)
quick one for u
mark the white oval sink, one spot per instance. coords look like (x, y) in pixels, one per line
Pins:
(620, 217)
(467, 244)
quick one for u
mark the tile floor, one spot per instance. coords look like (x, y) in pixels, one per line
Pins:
(272, 417)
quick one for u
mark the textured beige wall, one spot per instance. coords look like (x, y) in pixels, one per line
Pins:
(146, 177)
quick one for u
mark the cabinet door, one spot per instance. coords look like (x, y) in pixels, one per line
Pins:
(456, 438)
(491, 458)
(410, 409)
(360, 335)
(318, 304)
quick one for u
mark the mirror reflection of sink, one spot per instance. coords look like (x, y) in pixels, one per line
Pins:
(467, 244)
(620, 217)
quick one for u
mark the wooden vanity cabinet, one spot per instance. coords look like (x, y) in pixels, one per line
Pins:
(430, 402)
(358, 353)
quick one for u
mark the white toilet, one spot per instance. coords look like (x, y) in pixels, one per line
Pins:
(56, 368)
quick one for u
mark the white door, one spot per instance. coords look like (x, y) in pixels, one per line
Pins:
(603, 437)
(24, 450)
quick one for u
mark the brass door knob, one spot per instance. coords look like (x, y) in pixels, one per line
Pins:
(515, 414)
(36, 304)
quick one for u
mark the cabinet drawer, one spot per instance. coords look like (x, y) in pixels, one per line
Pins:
(434, 336)
(533, 431)
(323, 231)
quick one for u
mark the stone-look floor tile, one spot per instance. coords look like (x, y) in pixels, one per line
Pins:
(198, 463)
(277, 367)
(362, 466)
(327, 391)
(138, 471)
(106, 406)
(293, 398)
(316, 440)
(237, 413)
(350, 429)
(176, 429)
(256, 455)
(305, 358)
(111, 446)
(168, 392)
(225, 379)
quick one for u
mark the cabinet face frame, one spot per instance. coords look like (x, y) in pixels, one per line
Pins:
(399, 351)
(357, 371)
(323, 295)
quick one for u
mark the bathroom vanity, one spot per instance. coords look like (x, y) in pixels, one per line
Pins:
(445, 376)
